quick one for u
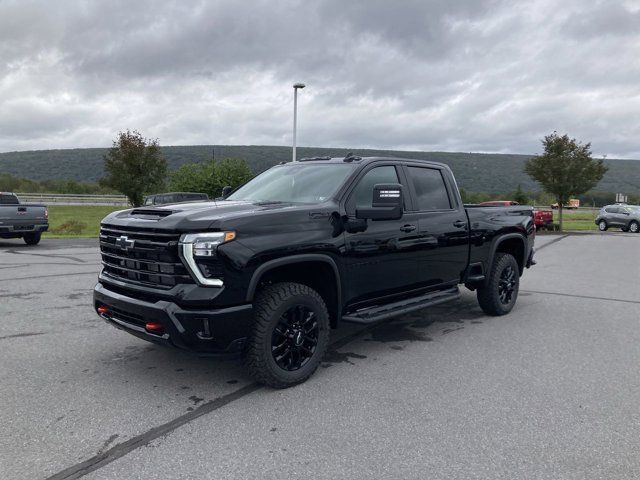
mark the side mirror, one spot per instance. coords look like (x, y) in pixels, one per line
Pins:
(226, 191)
(387, 203)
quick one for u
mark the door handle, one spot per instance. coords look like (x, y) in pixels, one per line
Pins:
(407, 228)
(459, 224)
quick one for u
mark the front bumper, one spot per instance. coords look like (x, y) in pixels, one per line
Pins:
(216, 331)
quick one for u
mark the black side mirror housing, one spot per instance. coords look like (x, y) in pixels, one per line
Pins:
(386, 204)
(226, 191)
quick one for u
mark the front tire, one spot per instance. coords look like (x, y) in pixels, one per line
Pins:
(499, 294)
(32, 238)
(634, 227)
(290, 335)
(602, 226)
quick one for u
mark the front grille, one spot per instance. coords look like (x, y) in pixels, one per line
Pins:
(152, 259)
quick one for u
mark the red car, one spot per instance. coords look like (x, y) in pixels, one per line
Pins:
(542, 218)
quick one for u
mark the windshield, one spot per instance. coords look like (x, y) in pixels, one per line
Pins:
(296, 183)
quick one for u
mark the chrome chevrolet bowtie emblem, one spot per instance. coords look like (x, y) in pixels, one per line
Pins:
(124, 243)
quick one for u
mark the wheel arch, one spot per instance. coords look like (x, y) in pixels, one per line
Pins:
(325, 278)
(514, 244)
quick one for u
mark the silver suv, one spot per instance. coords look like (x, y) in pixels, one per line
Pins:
(624, 217)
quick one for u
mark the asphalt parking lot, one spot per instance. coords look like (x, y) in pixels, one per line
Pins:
(550, 391)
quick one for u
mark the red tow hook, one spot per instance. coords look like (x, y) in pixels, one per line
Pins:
(102, 310)
(154, 327)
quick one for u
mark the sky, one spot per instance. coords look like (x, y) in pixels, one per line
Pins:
(433, 75)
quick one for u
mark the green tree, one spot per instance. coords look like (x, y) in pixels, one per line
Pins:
(135, 166)
(520, 197)
(210, 177)
(565, 168)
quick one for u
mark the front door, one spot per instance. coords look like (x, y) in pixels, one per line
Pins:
(381, 260)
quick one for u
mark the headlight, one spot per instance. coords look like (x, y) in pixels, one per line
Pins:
(205, 244)
(197, 248)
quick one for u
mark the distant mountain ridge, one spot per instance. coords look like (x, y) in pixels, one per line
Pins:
(476, 172)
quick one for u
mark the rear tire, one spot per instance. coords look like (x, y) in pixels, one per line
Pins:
(602, 226)
(634, 227)
(32, 238)
(290, 335)
(500, 293)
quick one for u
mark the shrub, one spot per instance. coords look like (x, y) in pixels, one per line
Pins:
(71, 227)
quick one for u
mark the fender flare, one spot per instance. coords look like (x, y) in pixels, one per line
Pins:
(501, 239)
(301, 258)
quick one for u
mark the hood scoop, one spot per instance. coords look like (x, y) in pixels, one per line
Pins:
(152, 212)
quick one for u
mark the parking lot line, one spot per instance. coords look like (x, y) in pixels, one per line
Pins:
(119, 450)
(38, 277)
(122, 449)
(582, 296)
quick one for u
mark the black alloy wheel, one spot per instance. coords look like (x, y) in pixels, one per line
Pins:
(295, 338)
(499, 293)
(507, 285)
(290, 334)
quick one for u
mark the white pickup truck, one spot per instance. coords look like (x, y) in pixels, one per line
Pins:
(21, 220)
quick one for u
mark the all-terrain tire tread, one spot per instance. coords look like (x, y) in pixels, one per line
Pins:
(487, 298)
(265, 305)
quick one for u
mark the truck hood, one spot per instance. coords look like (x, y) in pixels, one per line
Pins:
(185, 217)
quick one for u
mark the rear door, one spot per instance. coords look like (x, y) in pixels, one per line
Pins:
(613, 216)
(624, 213)
(443, 226)
(381, 260)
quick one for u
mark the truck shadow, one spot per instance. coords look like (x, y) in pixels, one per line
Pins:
(5, 243)
(154, 367)
(420, 326)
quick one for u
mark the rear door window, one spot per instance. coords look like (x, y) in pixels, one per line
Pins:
(429, 188)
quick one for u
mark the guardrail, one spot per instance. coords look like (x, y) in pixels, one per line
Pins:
(73, 199)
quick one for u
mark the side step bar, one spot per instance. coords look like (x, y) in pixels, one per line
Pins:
(382, 312)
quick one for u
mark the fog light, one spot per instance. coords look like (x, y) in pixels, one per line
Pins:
(154, 327)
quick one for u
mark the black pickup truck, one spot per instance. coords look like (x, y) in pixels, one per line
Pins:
(301, 248)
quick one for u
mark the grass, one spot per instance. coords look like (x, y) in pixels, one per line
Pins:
(83, 221)
(577, 220)
(76, 221)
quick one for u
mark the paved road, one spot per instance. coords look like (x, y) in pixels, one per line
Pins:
(550, 391)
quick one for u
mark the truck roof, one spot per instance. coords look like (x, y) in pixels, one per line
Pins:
(365, 160)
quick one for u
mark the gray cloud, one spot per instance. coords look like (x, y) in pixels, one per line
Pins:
(470, 75)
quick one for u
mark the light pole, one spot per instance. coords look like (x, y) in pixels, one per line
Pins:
(296, 86)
